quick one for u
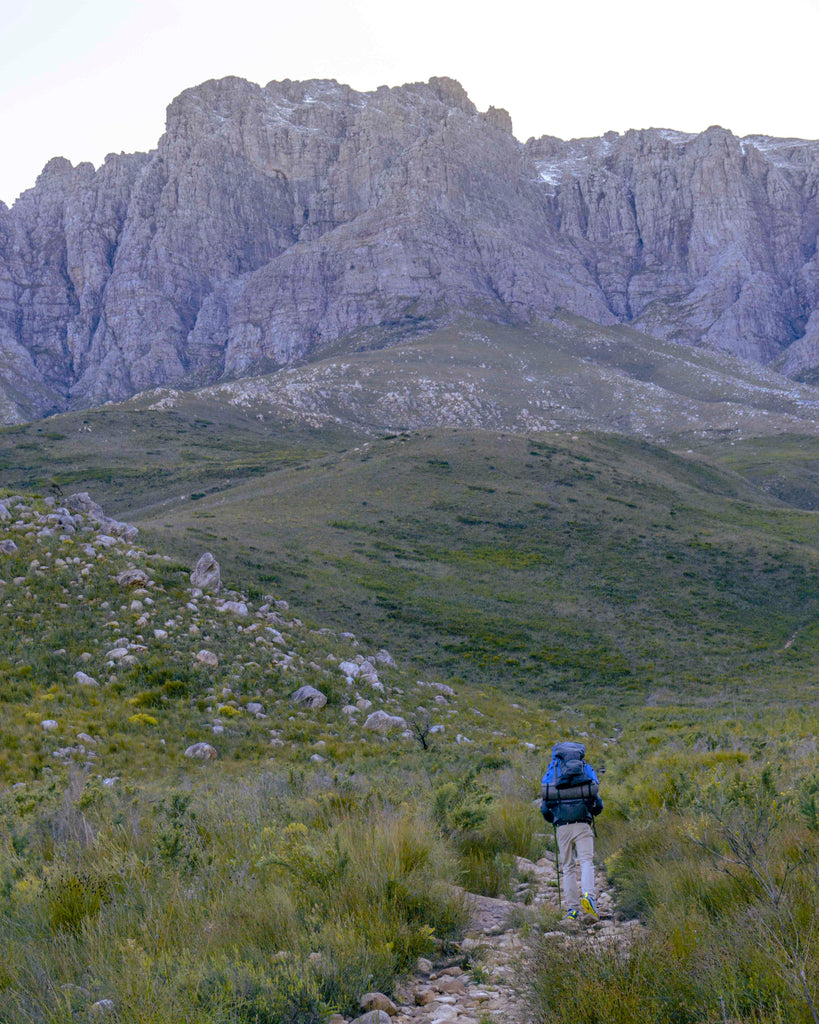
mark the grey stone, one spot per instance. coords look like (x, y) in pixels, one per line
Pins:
(206, 574)
(310, 697)
(238, 608)
(132, 578)
(81, 502)
(102, 1008)
(378, 1001)
(203, 751)
(372, 1017)
(380, 721)
(85, 680)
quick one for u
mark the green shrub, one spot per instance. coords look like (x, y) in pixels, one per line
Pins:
(247, 992)
(488, 873)
(514, 826)
(73, 898)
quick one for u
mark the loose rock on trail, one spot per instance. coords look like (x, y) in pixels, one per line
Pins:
(496, 952)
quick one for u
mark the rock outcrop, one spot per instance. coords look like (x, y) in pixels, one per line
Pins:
(207, 574)
(706, 239)
(271, 222)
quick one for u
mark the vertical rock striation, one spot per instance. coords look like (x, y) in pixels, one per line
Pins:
(705, 239)
(272, 222)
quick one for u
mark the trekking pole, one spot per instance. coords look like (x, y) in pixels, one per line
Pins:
(557, 867)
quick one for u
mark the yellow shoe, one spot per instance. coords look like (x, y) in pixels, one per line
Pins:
(588, 904)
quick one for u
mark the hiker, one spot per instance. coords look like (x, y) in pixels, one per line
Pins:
(570, 801)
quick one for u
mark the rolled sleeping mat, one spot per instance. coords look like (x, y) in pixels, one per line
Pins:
(581, 791)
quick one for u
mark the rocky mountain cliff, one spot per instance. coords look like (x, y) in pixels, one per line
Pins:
(273, 224)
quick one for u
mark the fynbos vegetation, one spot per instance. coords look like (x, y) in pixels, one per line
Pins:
(215, 809)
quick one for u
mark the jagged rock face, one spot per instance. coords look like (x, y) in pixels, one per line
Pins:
(271, 222)
(705, 239)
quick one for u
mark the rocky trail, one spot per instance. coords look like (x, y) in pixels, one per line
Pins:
(485, 982)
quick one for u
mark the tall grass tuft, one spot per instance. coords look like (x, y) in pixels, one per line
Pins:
(233, 903)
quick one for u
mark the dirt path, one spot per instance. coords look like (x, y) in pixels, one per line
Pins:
(452, 994)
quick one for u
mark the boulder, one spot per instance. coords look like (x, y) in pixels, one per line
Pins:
(204, 751)
(207, 658)
(381, 722)
(439, 688)
(451, 986)
(132, 578)
(206, 574)
(309, 696)
(102, 1008)
(367, 672)
(373, 1017)
(85, 680)
(82, 502)
(7, 547)
(234, 608)
(378, 1001)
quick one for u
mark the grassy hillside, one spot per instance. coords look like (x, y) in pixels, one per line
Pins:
(131, 458)
(548, 561)
(564, 374)
(312, 858)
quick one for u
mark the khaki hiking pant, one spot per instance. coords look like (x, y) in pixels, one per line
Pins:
(575, 845)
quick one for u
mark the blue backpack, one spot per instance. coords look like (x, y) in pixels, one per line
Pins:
(569, 788)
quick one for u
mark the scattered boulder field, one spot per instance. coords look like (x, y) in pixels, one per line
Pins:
(109, 646)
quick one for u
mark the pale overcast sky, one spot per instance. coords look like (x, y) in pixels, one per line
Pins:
(88, 77)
